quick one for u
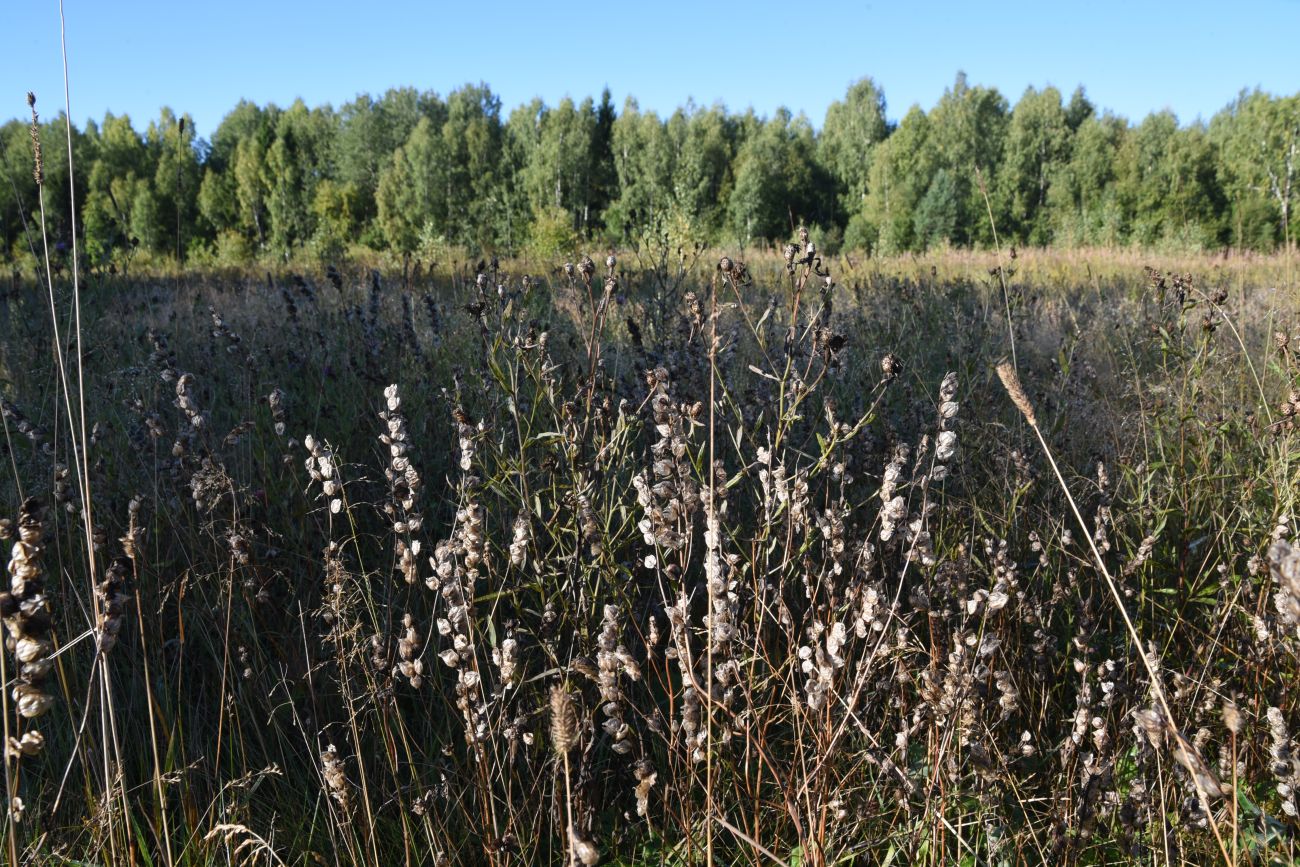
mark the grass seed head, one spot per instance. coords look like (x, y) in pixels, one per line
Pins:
(1011, 382)
(564, 720)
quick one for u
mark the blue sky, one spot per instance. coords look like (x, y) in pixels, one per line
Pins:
(202, 57)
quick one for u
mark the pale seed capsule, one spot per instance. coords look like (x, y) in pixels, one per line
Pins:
(31, 701)
(585, 850)
(31, 743)
(1232, 718)
(30, 649)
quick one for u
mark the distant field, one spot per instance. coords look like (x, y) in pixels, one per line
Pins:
(665, 559)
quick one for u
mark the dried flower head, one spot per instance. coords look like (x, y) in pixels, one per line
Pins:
(1011, 382)
(39, 161)
(564, 720)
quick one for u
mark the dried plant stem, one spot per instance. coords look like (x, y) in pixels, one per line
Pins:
(759, 847)
(11, 781)
(1250, 364)
(1011, 382)
(713, 522)
(568, 815)
(76, 295)
(153, 730)
(564, 737)
(1235, 827)
(86, 505)
(80, 444)
(1002, 275)
(58, 348)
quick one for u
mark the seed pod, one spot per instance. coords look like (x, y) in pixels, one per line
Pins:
(31, 701)
(585, 850)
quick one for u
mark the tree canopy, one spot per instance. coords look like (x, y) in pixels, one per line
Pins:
(412, 171)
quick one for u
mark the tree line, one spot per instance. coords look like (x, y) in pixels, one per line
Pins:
(417, 174)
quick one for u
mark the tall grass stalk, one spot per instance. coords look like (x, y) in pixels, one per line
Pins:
(1011, 382)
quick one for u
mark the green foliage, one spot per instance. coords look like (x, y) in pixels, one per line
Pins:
(1037, 147)
(778, 183)
(386, 172)
(848, 140)
(560, 174)
(551, 234)
(900, 176)
(334, 210)
(471, 146)
(1258, 137)
(969, 127)
(935, 221)
(411, 189)
(368, 130)
(176, 178)
(294, 163)
(643, 157)
(1083, 202)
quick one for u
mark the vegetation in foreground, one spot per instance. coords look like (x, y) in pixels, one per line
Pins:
(662, 559)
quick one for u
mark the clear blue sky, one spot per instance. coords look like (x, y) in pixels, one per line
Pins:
(202, 57)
